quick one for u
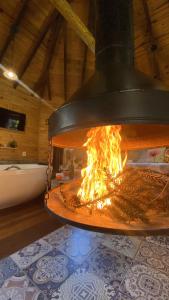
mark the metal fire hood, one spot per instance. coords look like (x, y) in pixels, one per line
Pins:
(117, 93)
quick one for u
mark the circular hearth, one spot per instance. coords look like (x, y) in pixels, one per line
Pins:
(96, 220)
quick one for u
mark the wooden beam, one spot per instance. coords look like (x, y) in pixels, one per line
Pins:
(74, 21)
(152, 41)
(84, 64)
(54, 35)
(65, 62)
(91, 28)
(14, 28)
(46, 87)
(49, 87)
(32, 51)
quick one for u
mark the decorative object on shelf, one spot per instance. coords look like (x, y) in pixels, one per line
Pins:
(154, 154)
(166, 155)
(12, 144)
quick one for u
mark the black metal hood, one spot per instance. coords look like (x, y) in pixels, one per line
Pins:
(117, 93)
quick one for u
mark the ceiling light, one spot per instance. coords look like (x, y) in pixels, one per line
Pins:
(10, 75)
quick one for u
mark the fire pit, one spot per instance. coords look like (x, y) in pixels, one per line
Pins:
(110, 195)
(118, 109)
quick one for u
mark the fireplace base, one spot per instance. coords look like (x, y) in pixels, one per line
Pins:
(97, 221)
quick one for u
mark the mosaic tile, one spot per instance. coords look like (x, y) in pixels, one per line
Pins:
(154, 255)
(19, 288)
(26, 256)
(50, 271)
(89, 233)
(159, 240)
(108, 265)
(83, 285)
(120, 296)
(76, 264)
(7, 269)
(59, 236)
(127, 245)
(78, 245)
(145, 283)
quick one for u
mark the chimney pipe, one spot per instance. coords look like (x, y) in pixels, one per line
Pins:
(117, 93)
(114, 33)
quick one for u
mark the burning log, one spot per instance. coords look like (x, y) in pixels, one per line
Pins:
(109, 194)
(141, 195)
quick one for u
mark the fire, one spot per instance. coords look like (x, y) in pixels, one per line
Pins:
(104, 161)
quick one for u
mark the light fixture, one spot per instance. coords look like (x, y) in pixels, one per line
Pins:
(9, 74)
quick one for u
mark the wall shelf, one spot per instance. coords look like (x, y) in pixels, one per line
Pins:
(7, 147)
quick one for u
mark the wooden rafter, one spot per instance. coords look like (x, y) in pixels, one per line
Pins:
(84, 64)
(91, 28)
(49, 87)
(152, 40)
(54, 35)
(32, 51)
(74, 21)
(65, 62)
(14, 28)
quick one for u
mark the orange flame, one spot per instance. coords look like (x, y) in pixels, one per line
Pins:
(103, 160)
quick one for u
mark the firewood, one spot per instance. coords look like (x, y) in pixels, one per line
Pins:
(134, 198)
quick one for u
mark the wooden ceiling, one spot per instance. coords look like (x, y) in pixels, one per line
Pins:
(48, 55)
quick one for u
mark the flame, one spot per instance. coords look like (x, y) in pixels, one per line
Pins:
(103, 160)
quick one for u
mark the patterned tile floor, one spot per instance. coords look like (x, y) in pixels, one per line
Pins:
(74, 264)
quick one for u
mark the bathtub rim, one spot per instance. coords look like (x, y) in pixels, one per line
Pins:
(29, 169)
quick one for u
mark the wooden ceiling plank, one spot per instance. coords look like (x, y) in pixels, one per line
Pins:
(54, 37)
(41, 91)
(32, 51)
(84, 64)
(91, 19)
(152, 40)
(14, 28)
(65, 62)
(75, 22)
(49, 87)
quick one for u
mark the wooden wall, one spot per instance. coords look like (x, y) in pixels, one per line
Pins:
(27, 141)
(35, 140)
(43, 134)
(45, 113)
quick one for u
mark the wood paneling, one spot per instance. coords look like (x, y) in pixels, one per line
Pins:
(27, 141)
(28, 32)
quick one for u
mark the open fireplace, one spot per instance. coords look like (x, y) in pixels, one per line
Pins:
(119, 109)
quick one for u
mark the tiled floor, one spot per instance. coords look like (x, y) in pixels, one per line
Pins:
(73, 264)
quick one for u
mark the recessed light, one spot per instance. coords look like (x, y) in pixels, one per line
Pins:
(10, 75)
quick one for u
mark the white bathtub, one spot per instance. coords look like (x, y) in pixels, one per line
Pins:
(17, 186)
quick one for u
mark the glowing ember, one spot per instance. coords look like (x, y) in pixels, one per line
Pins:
(104, 161)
